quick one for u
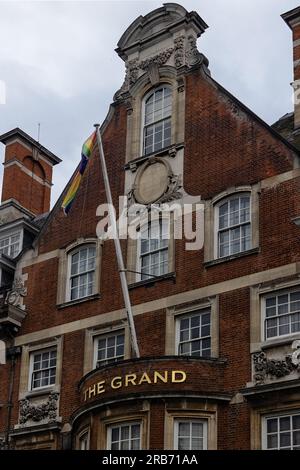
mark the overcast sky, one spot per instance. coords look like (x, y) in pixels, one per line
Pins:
(58, 62)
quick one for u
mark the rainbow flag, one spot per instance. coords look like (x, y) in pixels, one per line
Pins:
(73, 189)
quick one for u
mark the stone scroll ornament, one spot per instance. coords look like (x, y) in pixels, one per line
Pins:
(14, 296)
(44, 411)
(264, 367)
(134, 67)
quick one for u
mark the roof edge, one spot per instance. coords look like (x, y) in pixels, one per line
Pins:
(4, 138)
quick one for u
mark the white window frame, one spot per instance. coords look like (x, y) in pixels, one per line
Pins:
(119, 425)
(9, 237)
(216, 223)
(69, 276)
(84, 436)
(163, 220)
(107, 335)
(190, 421)
(264, 435)
(202, 311)
(143, 125)
(31, 371)
(263, 299)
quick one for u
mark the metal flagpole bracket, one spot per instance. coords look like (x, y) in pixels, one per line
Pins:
(118, 249)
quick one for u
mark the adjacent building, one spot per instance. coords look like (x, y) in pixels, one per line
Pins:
(218, 322)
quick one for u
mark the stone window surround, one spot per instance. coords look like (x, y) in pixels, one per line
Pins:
(260, 413)
(210, 223)
(172, 314)
(133, 253)
(93, 333)
(207, 413)
(189, 420)
(64, 269)
(10, 233)
(143, 124)
(139, 91)
(27, 351)
(80, 434)
(138, 417)
(257, 293)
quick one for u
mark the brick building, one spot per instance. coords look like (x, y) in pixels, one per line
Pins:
(218, 326)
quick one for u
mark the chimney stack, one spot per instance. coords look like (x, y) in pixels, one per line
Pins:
(292, 18)
(27, 176)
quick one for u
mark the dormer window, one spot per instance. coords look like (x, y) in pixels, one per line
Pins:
(11, 245)
(157, 120)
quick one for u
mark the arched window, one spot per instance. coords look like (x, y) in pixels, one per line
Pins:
(233, 222)
(82, 264)
(157, 120)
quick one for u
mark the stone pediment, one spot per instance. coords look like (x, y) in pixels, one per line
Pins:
(155, 25)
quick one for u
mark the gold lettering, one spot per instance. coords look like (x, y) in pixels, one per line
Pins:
(178, 373)
(116, 382)
(177, 376)
(145, 378)
(92, 391)
(159, 376)
(100, 387)
(130, 379)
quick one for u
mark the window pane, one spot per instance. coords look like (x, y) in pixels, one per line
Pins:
(282, 314)
(296, 438)
(285, 424)
(197, 429)
(285, 439)
(44, 369)
(194, 335)
(158, 108)
(296, 422)
(183, 443)
(272, 441)
(125, 437)
(110, 348)
(197, 444)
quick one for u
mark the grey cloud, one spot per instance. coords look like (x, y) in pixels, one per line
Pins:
(60, 68)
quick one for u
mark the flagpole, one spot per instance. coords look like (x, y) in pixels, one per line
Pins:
(121, 266)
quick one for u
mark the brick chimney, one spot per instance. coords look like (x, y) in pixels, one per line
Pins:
(27, 176)
(292, 18)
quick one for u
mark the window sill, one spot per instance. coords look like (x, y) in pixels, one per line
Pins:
(41, 392)
(273, 343)
(215, 262)
(151, 282)
(78, 301)
(170, 151)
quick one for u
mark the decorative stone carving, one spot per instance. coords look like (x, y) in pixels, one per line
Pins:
(14, 296)
(175, 184)
(45, 411)
(264, 367)
(179, 51)
(159, 59)
(155, 182)
(192, 55)
(180, 85)
(153, 73)
(134, 67)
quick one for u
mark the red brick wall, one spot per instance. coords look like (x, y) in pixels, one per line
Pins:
(18, 185)
(223, 148)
